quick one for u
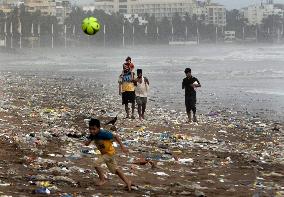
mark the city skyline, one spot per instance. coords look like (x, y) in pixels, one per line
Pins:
(229, 4)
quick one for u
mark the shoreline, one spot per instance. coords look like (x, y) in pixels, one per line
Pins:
(235, 83)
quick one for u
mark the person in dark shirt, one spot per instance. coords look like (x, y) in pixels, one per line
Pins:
(190, 83)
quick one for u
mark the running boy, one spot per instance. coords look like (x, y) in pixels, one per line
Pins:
(103, 140)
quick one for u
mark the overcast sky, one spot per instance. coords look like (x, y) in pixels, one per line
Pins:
(229, 4)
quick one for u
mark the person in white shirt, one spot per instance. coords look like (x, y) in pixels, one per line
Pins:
(141, 93)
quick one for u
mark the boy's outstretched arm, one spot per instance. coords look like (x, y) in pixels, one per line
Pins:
(146, 80)
(117, 139)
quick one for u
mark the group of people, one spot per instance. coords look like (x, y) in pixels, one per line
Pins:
(132, 88)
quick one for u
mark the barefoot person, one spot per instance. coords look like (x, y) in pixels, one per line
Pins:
(127, 90)
(103, 140)
(141, 92)
(190, 83)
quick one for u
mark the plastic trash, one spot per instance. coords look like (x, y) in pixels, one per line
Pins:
(184, 161)
(161, 174)
(42, 191)
(66, 195)
(258, 129)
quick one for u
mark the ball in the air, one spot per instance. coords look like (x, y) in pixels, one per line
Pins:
(90, 26)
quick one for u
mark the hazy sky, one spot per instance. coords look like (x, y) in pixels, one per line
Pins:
(229, 4)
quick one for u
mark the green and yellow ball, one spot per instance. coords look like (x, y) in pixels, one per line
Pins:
(90, 25)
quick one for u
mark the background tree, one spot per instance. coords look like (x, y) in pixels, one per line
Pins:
(272, 24)
(178, 26)
(188, 22)
(152, 29)
(165, 30)
(139, 32)
(235, 22)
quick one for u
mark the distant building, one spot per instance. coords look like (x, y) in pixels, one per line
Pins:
(157, 8)
(10, 2)
(63, 10)
(6, 8)
(107, 5)
(215, 14)
(59, 8)
(162, 8)
(46, 7)
(90, 7)
(256, 13)
(8, 5)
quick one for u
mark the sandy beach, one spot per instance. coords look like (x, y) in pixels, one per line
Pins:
(42, 124)
(236, 148)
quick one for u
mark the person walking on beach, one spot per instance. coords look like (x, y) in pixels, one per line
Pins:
(141, 92)
(190, 83)
(127, 89)
(103, 141)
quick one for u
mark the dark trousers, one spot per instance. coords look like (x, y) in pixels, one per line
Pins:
(190, 103)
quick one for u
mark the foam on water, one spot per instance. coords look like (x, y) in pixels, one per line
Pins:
(255, 91)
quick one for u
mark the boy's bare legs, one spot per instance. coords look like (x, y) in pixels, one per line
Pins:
(127, 110)
(101, 176)
(194, 118)
(143, 110)
(194, 113)
(139, 111)
(123, 177)
(189, 116)
(133, 108)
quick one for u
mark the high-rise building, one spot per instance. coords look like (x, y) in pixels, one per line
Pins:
(158, 8)
(46, 7)
(112, 5)
(108, 6)
(9, 2)
(256, 13)
(8, 5)
(215, 14)
(162, 8)
(59, 8)
(63, 10)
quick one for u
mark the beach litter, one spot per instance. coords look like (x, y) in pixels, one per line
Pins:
(43, 121)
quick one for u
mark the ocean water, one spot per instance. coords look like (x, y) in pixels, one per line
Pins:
(233, 77)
